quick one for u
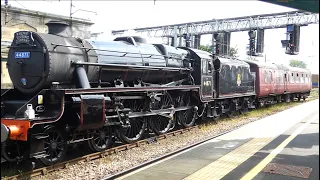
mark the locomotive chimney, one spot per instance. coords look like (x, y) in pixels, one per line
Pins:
(58, 28)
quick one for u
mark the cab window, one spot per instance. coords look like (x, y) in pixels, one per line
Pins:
(204, 66)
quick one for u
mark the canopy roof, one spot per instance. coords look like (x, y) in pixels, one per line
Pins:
(305, 5)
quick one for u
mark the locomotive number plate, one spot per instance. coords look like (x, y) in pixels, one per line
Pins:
(22, 55)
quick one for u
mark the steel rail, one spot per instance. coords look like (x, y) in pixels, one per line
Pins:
(97, 155)
(125, 172)
(115, 150)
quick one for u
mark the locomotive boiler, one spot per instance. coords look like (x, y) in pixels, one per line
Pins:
(36, 60)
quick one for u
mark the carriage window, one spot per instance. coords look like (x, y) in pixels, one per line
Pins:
(270, 77)
(291, 78)
(285, 77)
(265, 76)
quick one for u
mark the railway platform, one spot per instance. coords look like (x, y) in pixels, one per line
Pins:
(279, 147)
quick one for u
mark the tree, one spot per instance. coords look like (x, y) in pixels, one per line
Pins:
(207, 48)
(233, 52)
(298, 63)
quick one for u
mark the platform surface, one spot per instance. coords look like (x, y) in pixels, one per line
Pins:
(282, 146)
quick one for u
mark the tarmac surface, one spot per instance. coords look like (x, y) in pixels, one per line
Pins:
(282, 146)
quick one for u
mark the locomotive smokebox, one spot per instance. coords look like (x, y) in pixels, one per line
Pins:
(58, 28)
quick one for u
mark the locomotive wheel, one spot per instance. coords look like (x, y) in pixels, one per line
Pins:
(231, 111)
(101, 140)
(11, 153)
(230, 114)
(55, 146)
(186, 118)
(244, 108)
(137, 125)
(304, 98)
(160, 124)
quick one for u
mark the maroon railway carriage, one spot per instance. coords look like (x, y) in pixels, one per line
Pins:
(298, 81)
(276, 83)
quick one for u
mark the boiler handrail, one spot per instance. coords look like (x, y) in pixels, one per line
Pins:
(125, 53)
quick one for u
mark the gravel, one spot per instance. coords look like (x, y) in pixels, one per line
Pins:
(104, 167)
(112, 164)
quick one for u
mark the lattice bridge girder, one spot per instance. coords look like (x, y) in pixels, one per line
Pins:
(266, 21)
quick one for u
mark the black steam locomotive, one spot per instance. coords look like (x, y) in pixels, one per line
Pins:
(69, 90)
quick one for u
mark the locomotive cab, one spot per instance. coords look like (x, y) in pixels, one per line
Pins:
(204, 71)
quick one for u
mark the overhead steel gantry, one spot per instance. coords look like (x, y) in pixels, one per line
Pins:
(265, 21)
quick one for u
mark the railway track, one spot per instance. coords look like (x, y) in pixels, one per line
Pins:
(119, 148)
(123, 173)
(97, 155)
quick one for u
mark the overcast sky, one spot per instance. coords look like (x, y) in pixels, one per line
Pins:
(115, 15)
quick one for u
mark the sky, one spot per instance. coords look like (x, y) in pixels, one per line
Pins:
(116, 15)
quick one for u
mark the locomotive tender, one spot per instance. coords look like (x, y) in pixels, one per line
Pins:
(82, 90)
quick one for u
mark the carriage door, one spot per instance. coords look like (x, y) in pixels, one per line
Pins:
(207, 79)
(277, 81)
(285, 83)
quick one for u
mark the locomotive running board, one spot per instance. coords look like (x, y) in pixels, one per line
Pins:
(129, 89)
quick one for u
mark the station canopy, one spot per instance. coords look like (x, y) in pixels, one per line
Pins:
(305, 5)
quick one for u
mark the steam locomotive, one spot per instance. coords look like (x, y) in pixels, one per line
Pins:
(69, 90)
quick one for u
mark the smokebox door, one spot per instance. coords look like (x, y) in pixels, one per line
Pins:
(26, 63)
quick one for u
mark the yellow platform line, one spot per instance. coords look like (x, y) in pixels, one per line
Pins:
(252, 173)
(221, 167)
